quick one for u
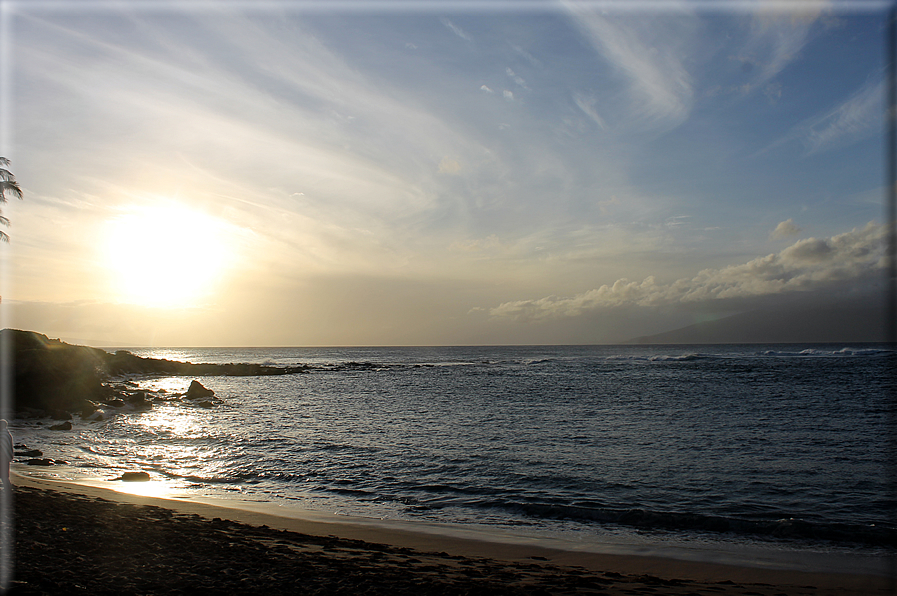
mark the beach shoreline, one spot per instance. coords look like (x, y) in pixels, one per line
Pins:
(551, 565)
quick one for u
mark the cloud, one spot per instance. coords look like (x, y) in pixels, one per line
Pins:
(808, 264)
(518, 80)
(529, 57)
(857, 118)
(676, 221)
(586, 104)
(773, 92)
(449, 166)
(489, 243)
(785, 229)
(659, 88)
(778, 34)
(279, 96)
(455, 29)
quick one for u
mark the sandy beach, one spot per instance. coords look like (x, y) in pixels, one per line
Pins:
(76, 539)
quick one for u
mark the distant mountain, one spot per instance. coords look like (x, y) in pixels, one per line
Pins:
(832, 323)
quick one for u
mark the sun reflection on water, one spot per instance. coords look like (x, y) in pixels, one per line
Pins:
(179, 447)
(176, 421)
(167, 384)
(151, 488)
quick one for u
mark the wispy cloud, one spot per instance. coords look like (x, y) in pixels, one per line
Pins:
(659, 86)
(518, 80)
(778, 33)
(805, 265)
(586, 104)
(455, 29)
(513, 156)
(358, 150)
(858, 117)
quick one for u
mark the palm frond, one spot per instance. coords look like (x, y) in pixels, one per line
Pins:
(8, 184)
(11, 187)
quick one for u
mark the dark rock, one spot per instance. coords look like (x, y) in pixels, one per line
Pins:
(137, 396)
(29, 453)
(197, 391)
(29, 413)
(67, 425)
(51, 375)
(124, 362)
(133, 477)
(40, 462)
(115, 403)
(139, 401)
(205, 404)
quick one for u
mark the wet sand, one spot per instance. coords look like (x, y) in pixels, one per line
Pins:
(76, 539)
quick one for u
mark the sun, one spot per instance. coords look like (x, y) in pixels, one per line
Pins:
(165, 255)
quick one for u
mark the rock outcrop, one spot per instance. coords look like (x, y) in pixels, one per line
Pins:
(51, 375)
(53, 378)
(133, 477)
(124, 362)
(197, 391)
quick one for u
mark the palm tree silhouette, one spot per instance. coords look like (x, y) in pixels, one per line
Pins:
(9, 185)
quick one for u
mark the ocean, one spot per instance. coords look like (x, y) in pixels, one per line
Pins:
(786, 448)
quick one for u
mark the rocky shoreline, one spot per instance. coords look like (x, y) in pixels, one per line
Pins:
(54, 379)
(54, 382)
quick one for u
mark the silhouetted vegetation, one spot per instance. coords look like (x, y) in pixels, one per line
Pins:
(9, 185)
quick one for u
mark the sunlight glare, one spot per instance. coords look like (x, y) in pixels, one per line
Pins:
(165, 255)
(172, 420)
(153, 488)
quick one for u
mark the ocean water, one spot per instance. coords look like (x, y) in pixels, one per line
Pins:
(781, 446)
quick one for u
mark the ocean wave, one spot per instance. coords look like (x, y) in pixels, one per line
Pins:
(659, 357)
(681, 358)
(819, 353)
(778, 529)
(380, 366)
(237, 479)
(233, 477)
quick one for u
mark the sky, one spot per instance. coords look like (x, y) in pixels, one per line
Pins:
(435, 173)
